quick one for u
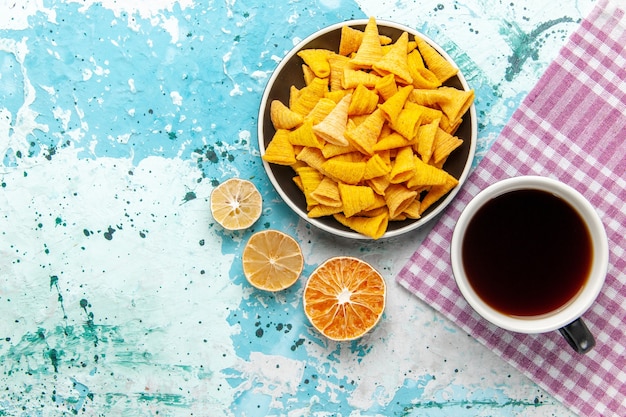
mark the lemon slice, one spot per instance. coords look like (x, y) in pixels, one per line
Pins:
(272, 260)
(236, 204)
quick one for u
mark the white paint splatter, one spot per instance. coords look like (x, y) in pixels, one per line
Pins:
(151, 10)
(177, 99)
(331, 4)
(171, 26)
(15, 14)
(63, 116)
(144, 8)
(15, 128)
(272, 375)
(236, 91)
(244, 136)
(260, 75)
(121, 138)
(87, 73)
(293, 19)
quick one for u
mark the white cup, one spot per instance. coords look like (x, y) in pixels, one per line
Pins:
(566, 318)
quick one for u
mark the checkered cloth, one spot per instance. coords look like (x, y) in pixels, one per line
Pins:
(572, 127)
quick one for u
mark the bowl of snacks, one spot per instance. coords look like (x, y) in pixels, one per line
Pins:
(367, 129)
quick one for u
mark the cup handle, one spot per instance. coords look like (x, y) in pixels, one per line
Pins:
(578, 336)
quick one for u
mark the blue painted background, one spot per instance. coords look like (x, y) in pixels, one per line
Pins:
(119, 295)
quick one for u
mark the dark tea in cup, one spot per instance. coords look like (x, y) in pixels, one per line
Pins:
(527, 252)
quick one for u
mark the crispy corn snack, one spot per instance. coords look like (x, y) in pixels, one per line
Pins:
(369, 133)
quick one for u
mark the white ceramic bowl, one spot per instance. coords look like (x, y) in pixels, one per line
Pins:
(289, 72)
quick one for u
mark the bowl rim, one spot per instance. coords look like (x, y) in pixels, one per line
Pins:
(443, 204)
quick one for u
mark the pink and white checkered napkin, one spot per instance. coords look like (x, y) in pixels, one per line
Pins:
(572, 127)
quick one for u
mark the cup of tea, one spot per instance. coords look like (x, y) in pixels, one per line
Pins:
(530, 255)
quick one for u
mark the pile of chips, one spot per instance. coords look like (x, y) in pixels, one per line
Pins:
(369, 133)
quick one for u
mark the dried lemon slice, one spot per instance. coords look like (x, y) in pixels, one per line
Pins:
(272, 260)
(236, 204)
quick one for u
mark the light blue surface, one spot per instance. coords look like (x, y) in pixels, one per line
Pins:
(119, 295)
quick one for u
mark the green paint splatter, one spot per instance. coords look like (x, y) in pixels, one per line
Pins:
(297, 344)
(164, 399)
(212, 156)
(525, 45)
(91, 331)
(54, 283)
(189, 196)
(53, 355)
(467, 404)
(35, 351)
(108, 235)
(51, 151)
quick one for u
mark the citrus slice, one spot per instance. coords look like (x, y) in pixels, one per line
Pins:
(236, 204)
(272, 260)
(344, 298)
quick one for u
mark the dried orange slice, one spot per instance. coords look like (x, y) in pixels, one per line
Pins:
(344, 298)
(236, 204)
(272, 260)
